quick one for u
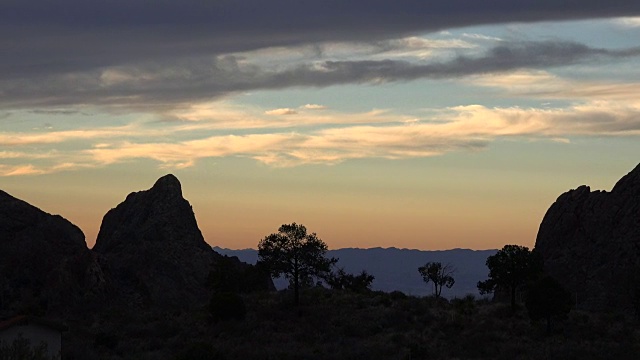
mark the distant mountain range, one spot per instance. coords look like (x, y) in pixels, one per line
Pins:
(397, 269)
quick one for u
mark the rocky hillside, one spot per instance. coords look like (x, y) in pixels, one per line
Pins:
(590, 241)
(154, 249)
(149, 254)
(45, 265)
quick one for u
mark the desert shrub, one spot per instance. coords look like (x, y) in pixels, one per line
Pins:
(477, 345)
(547, 299)
(22, 349)
(502, 311)
(106, 340)
(227, 306)
(199, 351)
(397, 295)
(420, 350)
(79, 351)
(465, 306)
(433, 302)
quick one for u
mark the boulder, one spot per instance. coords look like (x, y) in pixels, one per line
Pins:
(590, 242)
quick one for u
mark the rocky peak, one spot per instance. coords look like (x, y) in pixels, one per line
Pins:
(590, 241)
(154, 247)
(167, 186)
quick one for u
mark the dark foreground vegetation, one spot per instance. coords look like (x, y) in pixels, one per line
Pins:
(333, 324)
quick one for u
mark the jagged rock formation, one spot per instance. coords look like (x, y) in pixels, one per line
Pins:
(149, 253)
(45, 265)
(154, 249)
(590, 242)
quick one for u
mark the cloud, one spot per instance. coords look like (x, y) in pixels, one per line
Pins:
(225, 116)
(53, 137)
(313, 107)
(416, 47)
(57, 112)
(69, 35)
(185, 153)
(161, 87)
(6, 170)
(342, 136)
(461, 128)
(544, 85)
(130, 54)
(282, 111)
(632, 22)
(193, 123)
(481, 37)
(30, 169)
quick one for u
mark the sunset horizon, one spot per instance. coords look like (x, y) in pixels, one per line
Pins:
(230, 240)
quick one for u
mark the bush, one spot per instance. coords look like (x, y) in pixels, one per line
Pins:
(465, 306)
(21, 349)
(106, 340)
(547, 299)
(199, 351)
(227, 306)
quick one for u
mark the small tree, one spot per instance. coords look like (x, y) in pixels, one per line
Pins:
(547, 299)
(510, 268)
(440, 275)
(295, 254)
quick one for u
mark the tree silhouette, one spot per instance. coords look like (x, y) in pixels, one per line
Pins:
(440, 275)
(295, 254)
(510, 268)
(547, 299)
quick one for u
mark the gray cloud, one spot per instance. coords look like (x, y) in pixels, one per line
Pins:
(171, 83)
(52, 37)
(505, 57)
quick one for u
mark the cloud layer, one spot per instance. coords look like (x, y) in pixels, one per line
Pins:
(313, 134)
(175, 84)
(134, 51)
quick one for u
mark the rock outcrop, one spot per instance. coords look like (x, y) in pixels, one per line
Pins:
(45, 265)
(590, 242)
(149, 254)
(154, 249)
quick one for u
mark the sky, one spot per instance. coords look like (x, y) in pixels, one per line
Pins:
(410, 124)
